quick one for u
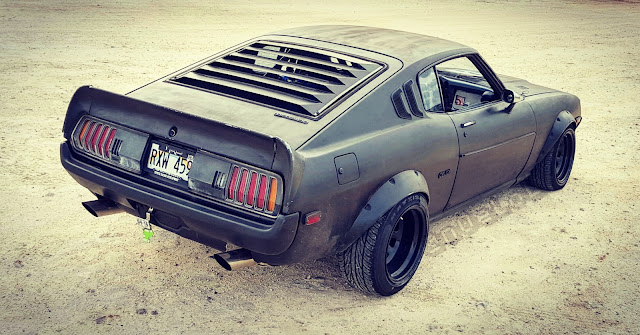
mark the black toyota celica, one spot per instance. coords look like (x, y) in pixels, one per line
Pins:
(316, 141)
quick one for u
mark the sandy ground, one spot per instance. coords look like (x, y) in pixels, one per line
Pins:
(523, 261)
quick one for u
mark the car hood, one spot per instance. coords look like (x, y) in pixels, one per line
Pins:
(523, 87)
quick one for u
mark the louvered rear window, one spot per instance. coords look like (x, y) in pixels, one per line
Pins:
(297, 79)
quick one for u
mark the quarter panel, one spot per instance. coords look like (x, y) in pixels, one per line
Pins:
(546, 108)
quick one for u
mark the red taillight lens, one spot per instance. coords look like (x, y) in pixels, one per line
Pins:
(252, 188)
(112, 135)
(242, 187)
(87, 135)
(262, 191)
(232, 183)
(94, 138)
(103, 137)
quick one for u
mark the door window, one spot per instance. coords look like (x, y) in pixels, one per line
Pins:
(463, 86)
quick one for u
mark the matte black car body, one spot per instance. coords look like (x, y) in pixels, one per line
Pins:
(351, 159)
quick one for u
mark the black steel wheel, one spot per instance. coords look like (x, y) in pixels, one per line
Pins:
(403, 245)
(385, 257)
(553, 171)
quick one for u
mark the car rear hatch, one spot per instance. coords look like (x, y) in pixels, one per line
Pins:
(286, 87)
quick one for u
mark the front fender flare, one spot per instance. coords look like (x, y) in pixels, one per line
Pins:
(562, 122)
(385, 197)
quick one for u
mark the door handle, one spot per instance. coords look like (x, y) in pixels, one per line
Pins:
(468, 124)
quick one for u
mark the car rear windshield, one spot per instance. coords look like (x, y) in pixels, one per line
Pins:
(297, 79)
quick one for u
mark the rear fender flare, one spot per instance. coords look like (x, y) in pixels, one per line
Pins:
(385, 197)
(563, 121)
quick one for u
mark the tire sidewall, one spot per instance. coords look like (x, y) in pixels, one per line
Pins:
(382, 283)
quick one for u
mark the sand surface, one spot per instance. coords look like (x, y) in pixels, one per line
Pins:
(523, 261)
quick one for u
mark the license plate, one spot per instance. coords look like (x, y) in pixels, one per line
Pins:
(169, 162)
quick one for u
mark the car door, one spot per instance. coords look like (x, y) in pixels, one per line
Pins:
(495, 138)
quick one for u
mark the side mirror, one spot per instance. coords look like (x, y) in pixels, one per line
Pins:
(487, 96)
(511, 97)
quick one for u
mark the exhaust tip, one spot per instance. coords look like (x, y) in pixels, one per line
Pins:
(222, 262)
(235, 259)
(101, 207)
(87, 206)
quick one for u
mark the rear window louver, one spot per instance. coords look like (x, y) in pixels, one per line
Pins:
(293, 78)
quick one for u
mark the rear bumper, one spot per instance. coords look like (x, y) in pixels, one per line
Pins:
(208, 221)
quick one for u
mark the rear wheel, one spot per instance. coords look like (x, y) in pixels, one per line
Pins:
(385, 257)
(552, 173)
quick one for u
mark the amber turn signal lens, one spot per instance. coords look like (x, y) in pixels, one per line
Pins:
(83, 131)
(273, 191)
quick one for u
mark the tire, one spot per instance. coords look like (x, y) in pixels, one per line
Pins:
(553, 171)
(385, 257)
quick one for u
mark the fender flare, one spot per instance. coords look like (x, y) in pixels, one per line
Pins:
(384, 198)
(563, 121)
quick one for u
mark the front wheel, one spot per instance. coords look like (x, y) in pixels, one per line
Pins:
(553, 171)
(385, 257)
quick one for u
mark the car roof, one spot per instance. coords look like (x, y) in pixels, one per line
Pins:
(405, 46)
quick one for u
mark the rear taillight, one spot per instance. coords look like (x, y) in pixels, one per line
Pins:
(240, 185)
(104, 140)
(254, 189)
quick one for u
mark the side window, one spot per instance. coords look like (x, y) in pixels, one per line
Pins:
(462, 84)
(429, 90)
